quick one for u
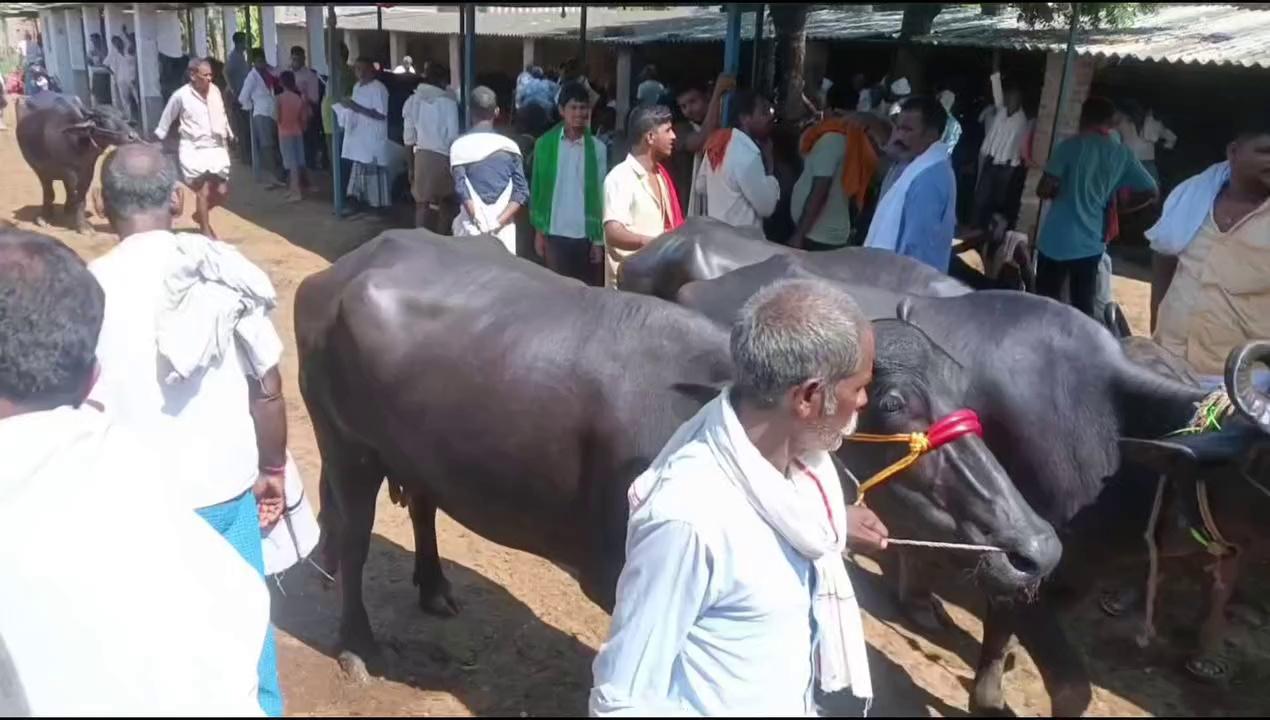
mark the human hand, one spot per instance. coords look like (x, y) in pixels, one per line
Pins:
(597, 254)
(865, 532)
(271, 498)
(725, 83)
(540, 244)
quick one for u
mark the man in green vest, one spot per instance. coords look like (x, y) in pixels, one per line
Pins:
(566, 204)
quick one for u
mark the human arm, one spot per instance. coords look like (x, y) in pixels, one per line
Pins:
(998, 95)
(693, 142)
(1052, 179)
(171, 112)
(520, 190)
(1168, 136)
(249, 87)
(823, 162)
(1163, 268)
(619, 190)
(617, 235)
(663, 588)
(261, 350)
(865, 531)
(923, 234)
(409, 136)
(759, 188)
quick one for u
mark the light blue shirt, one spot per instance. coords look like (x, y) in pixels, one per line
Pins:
(929, 219)
(1090, 169)
(713, 612)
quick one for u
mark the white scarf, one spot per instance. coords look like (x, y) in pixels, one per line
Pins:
(477, 145)
(801, 520)
(1186, 209)
(884, 232)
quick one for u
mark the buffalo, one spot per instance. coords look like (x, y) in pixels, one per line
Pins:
(61, 142)
(1063, 408)
(523, 404)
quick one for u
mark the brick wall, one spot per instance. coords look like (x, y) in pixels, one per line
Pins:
(1078, 84)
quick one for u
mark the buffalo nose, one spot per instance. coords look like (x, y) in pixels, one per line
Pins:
(1036, 555)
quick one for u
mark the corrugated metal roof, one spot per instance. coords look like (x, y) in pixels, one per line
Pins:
(1201, 34)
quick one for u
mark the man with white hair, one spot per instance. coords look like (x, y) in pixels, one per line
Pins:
(734, 596)
(205, 134)
(489, 175)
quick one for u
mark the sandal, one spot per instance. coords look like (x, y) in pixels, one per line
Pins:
(1208, 669)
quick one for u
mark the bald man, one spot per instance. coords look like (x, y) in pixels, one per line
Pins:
(210, 398)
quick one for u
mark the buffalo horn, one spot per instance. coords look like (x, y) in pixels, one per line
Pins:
(1248, 400)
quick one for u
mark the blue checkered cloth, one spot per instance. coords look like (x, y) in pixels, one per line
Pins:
(238, 522)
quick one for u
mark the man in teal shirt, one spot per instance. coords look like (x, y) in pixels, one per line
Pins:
(1081, 180)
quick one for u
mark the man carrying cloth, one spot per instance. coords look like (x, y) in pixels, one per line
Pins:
(567, 202)
(917, 212)
(205, 136)
(734, 599)
(489, 176)
(839, 163)
(640, 202)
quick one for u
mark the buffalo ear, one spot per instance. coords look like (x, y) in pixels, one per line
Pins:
(1162, 456)
(81, 129)
(905, 310)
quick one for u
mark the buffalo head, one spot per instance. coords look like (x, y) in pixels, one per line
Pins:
(104, 126)
(955, 492)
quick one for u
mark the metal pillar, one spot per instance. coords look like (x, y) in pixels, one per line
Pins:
(269, 35)
(756, 54)
(336, 91)
(731, 52)
(316, 35)
(469, 59)
(582, 37)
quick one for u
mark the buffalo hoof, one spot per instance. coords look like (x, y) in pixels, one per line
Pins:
(354, 668)
(1208, 669)
(440, 601)
(1117, 602)
(1071, 700)
(84, 230)
(928, 614)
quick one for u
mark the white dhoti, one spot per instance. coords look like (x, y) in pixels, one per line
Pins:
(198, 160)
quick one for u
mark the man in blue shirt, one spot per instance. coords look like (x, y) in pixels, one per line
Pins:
(917, 213)
(1081, 180)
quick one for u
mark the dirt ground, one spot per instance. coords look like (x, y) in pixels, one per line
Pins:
(524, 642)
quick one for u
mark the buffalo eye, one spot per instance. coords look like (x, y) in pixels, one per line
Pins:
(891, 402)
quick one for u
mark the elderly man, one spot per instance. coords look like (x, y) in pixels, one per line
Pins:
(734, 597)
(489, 175)
(737, 176)
(154, 614)
(205, 135)
(364, 117)
(1212, 257)
(430, 125)
(917, 212)
(190, 361)
(640, 202)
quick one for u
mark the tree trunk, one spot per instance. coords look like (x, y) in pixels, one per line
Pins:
(918, 19)
(791, 39)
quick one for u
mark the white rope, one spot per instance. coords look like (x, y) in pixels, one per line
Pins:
(944, 545)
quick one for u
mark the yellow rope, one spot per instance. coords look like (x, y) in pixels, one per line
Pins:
(917, 446)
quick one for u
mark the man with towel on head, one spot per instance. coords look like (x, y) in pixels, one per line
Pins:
(917, 211)
(190, 361)
(118, 599)
(489, 175)
(838, 165)
(734, 599)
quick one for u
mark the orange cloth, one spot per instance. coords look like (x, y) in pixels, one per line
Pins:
(717, 147)
(861, 161)
(293, 114)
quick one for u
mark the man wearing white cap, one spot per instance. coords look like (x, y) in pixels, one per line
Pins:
(897, 91)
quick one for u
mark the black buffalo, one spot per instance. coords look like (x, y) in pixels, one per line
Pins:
(523, 404)
(62, 142)
(1063, 408)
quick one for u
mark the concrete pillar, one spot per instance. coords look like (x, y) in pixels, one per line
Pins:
(114, 26)
(269, 35)
(77, 54)
(168, 33)
(352, 40)
(396, 48)
(229, 23)
(456, 61)
(147, 29)
(46, 29)
(623, 95)
(198, 18)
(313, 22)
(528, 50)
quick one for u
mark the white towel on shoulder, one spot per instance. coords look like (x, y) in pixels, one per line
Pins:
(1186, 209)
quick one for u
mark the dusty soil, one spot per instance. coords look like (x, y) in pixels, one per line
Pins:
(525, 640)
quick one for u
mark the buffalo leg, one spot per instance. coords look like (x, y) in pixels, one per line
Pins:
(434, 589)
(356, 497)
(76, 187)
(1062, 669)
(986, 697)
(916, 596)
(46, 213)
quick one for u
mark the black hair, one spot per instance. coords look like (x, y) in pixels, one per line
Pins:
(1251, 125)
(573, 92)
(51, 312)
(239, 37)
(743, 104)
(437, 74)
(287, 78)
(1096, 111)
(257, 54)
(934, 116)
(647, 118)
(691, 87)
(842, 96)
(298, 50)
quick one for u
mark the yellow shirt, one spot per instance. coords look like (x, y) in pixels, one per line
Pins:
(1220, 294)
(629, 200)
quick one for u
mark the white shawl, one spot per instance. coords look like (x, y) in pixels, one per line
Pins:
(1186, 209)
(884, 232)
(474, 147)
(801, 520)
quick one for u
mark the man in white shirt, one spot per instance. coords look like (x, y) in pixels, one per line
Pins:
(739, 186)
(640, 202)
(123, 67)
(1141, 132)
(205, 135)
(190, 362)
(365, 120)
(734, 599)
(407, 66)
(430, 125)
(118, 599)
(257, 98)
(1000, 185)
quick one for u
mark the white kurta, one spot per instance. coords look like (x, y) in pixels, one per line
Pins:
(204, 130)
(119, 600)
(365, 138)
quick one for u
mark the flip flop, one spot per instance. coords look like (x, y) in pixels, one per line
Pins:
(1209, 669)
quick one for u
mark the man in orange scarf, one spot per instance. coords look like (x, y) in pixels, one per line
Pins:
(737, 173)
(839, 161)
(640, 202)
